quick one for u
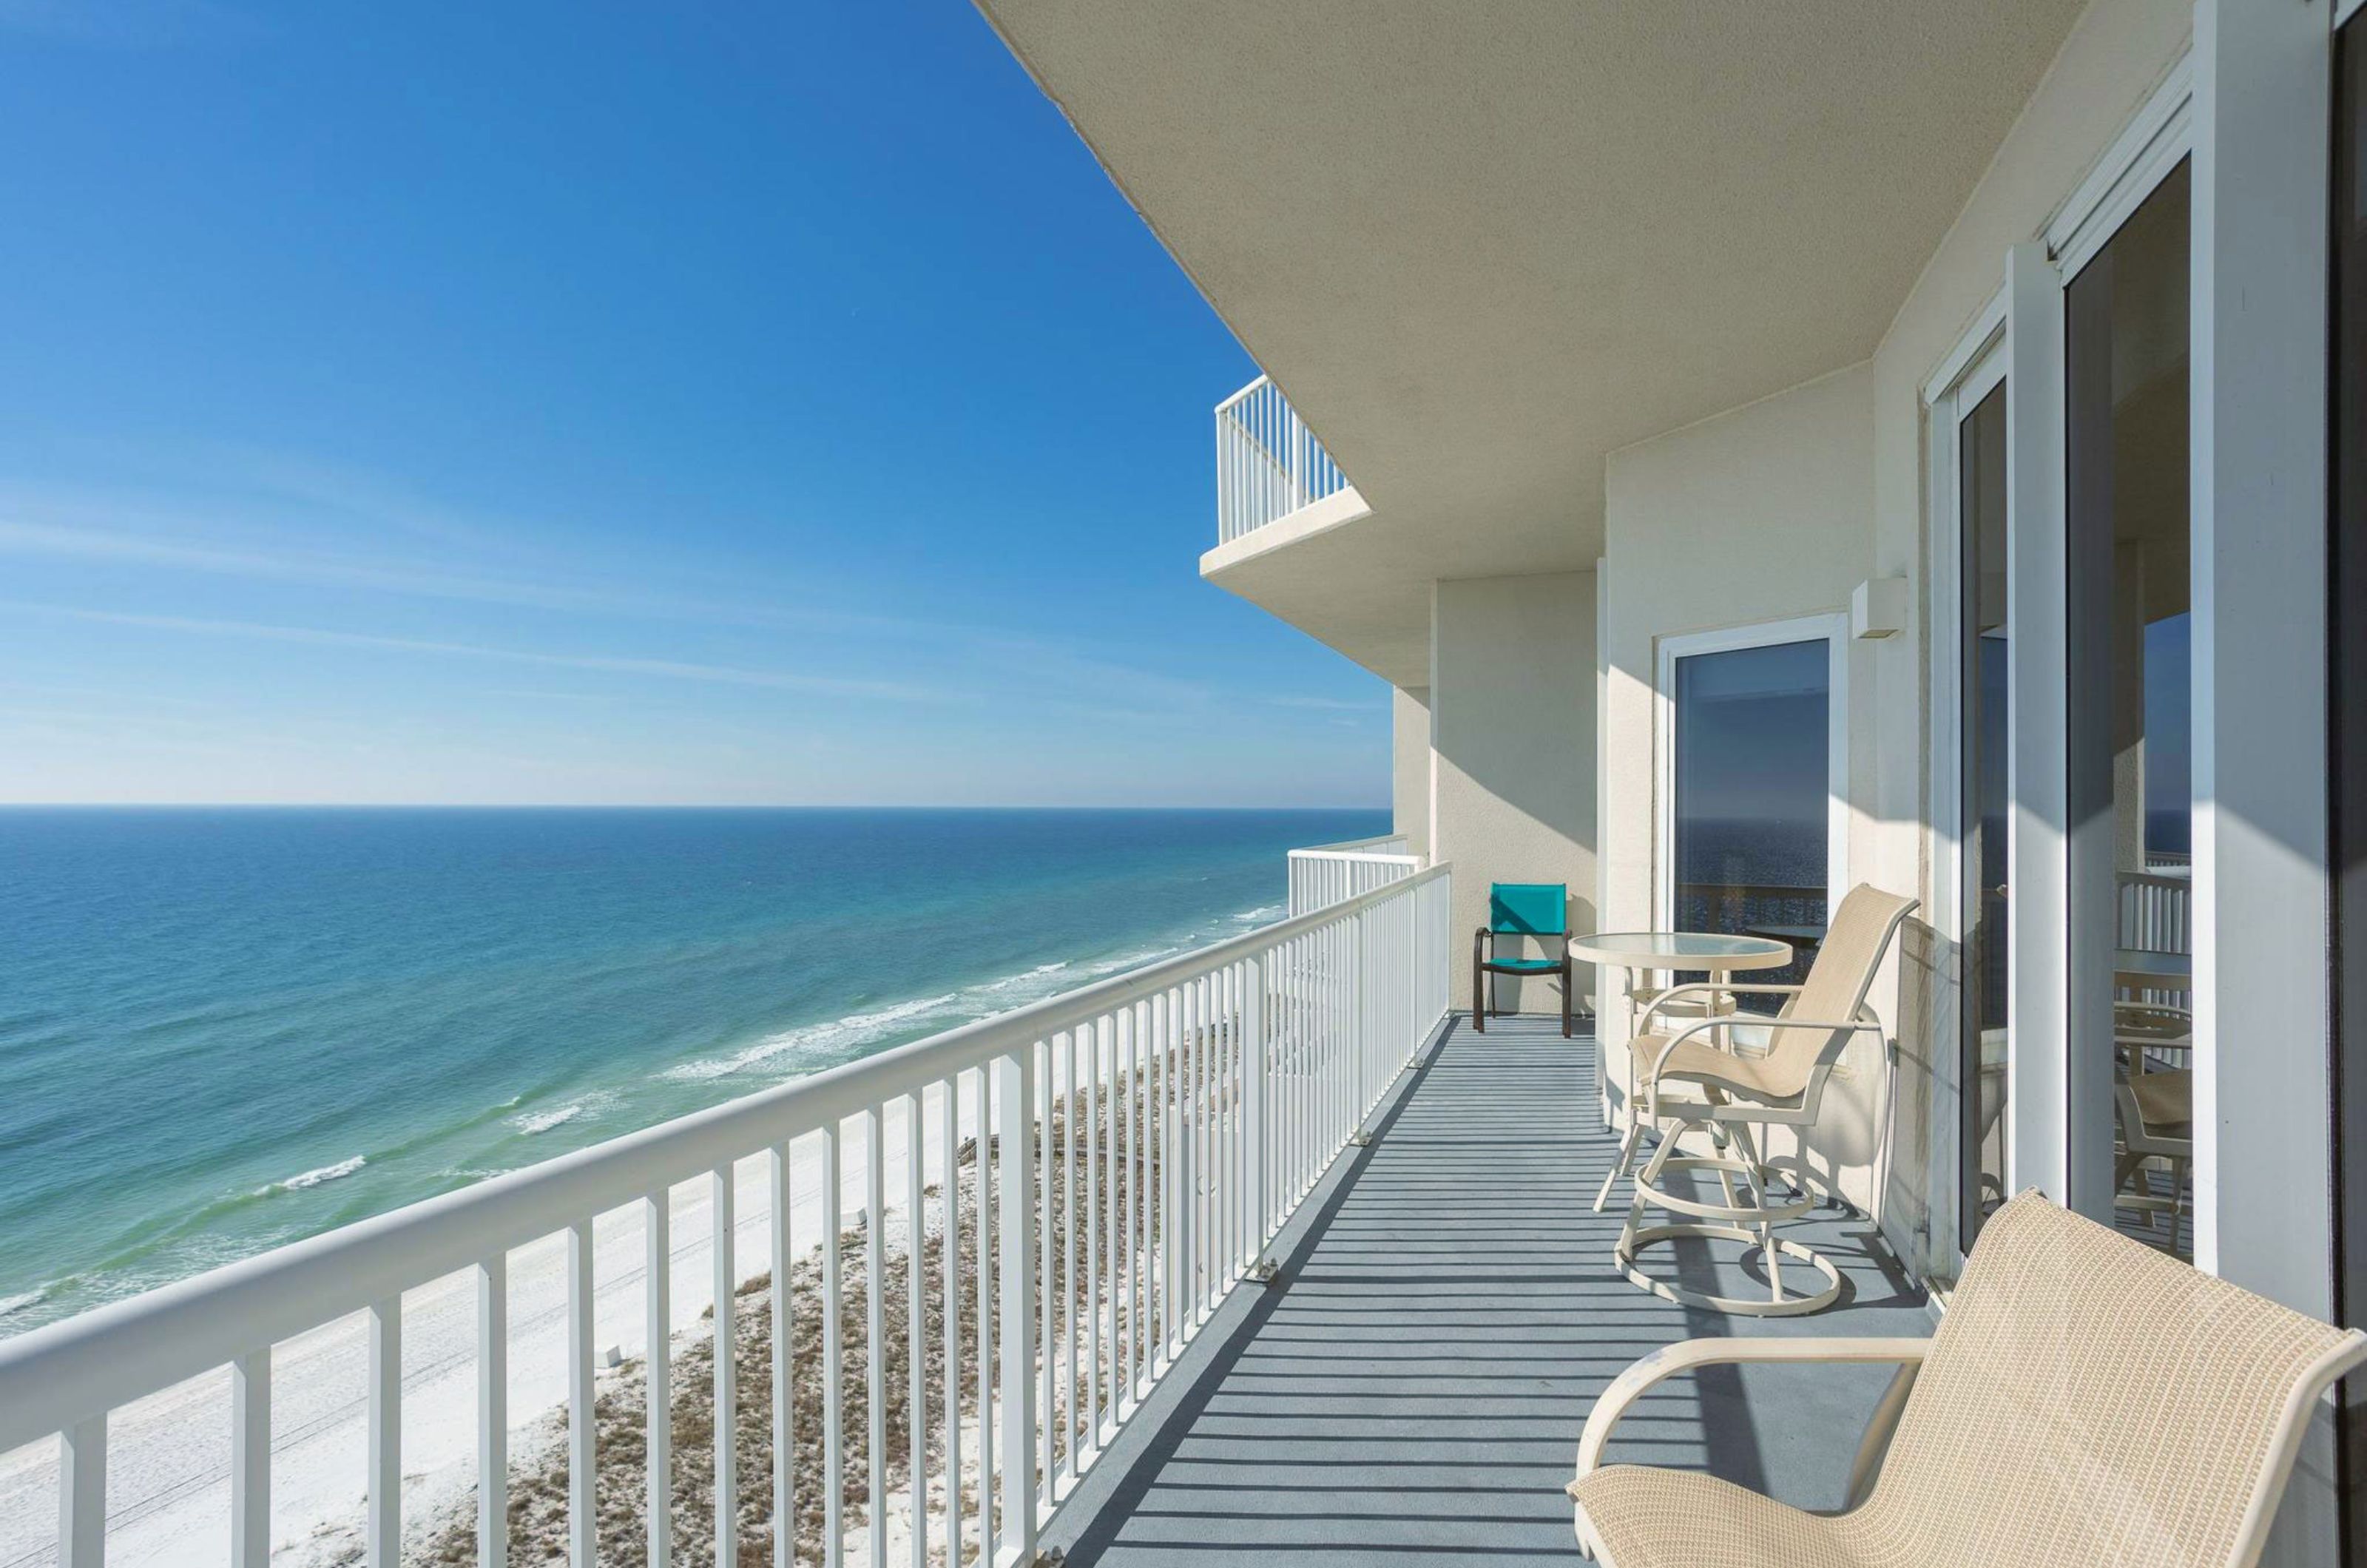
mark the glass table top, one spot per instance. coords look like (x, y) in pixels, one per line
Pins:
(1683, 949)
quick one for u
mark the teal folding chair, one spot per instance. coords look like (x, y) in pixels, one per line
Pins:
(1522, 910)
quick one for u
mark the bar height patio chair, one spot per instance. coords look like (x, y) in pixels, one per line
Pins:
(2087, 1400)
(1523, 910)
(1725, 1095)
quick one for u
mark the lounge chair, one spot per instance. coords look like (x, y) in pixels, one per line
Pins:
(1724, 1095)
(2087, 1401)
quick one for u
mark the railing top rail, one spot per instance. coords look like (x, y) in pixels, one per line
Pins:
(1354, 846)
(66, 1371)
(1248, 391)
(1355, 857)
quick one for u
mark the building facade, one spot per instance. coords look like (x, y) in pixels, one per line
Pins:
(1785, 447)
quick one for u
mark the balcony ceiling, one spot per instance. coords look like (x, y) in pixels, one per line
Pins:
(1481, 245)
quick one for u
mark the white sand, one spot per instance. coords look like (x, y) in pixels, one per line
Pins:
(168, 1462)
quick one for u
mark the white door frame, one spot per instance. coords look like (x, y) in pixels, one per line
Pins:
(1974, 372)
(1977, 368)
(1830, 627)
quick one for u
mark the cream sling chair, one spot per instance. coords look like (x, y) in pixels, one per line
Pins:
(2088, 1402)
(1725, 1095)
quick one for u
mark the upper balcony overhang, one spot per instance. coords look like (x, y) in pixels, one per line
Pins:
(1285, 540)
(1482, 248)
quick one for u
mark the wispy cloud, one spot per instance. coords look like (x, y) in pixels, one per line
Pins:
(673, 669)
(85, 543)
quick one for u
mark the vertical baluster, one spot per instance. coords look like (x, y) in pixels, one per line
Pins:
(785, 1425)
(727, 1371)
(949, 1253)
(1283, 1108)
(916, 1349)
(1014, 1097)
(1170, 1159)
(1233, 1188)
(1253, 1104)
(82, 1494)
(982, 1203)
(1187, 1162)
(657, 1416)
(250, 1460)
(1336, 1056)
(494, 1411)
(1196, 1146)
(382, 1538)
(1047, 1459)
(1154, 1184)
(1070, 1134)
(1359, 979)
(1204, 1121)
(833, 1353)
(874, 1328)
(582, 1444)
(1097, 1035)
(1121, 1222)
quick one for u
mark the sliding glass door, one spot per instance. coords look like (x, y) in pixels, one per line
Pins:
(2347, 745)
(1750, 784)
(2130, 1077)
(1982, 628)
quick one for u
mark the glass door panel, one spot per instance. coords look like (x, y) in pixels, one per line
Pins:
(1982, 803)
(2131, 1002)
(2347, 750)
(1752, 793)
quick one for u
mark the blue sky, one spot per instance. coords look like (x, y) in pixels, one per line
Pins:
(731, 402)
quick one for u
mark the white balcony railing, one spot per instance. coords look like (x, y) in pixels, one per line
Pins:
(1268, 463)
(1331, 872)
(1213, 1090)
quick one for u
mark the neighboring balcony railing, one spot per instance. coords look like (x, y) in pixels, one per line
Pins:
(1330, 872)
(1268, 463)
(1107, 1166)
(1737, 907)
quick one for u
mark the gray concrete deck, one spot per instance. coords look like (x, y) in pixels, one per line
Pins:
(1413, 1385)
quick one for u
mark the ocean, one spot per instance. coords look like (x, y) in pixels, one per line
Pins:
(223, 1030)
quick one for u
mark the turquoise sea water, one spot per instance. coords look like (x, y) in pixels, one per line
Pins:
(223, 1030)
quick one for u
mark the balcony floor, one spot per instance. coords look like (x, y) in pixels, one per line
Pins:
(1413, 1387)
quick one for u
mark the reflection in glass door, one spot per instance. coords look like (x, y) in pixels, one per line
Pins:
(1981, 804)
(2131, 1003)
(2347, 748)
(1751, 793)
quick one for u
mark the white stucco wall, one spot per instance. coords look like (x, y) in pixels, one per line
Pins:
(1410, 765)
(1760, 515)
(1512, 733)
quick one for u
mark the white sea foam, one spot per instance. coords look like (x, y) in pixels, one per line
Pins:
(544, 1120)
(1130, 961)
(19, 1303)
(831, 1040)
(856, 1029)
(315, 1177)
(1264, 914)
(1012, 982)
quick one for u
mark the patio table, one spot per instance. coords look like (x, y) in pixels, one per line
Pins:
(1644, 952)
(1641, 953)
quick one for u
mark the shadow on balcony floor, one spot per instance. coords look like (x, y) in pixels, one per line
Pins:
(1414, 1386)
